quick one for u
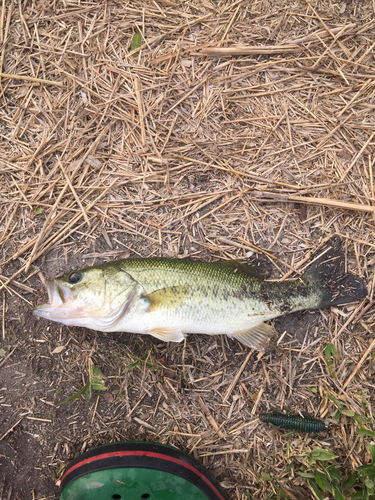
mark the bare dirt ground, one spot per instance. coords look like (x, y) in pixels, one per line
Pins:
(262, 152)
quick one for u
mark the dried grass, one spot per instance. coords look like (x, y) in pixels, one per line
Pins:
(186, 149)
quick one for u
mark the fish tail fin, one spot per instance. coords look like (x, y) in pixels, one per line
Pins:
(328, 277)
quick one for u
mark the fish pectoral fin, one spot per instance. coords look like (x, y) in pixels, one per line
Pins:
(165, 297)
(256, 337)
(167, 334)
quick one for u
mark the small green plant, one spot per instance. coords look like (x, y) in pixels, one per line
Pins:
(362, 422)
(136, 43)
(330, 353)
(278, 492)
(323, 477)
(138, 361)
(95, 383)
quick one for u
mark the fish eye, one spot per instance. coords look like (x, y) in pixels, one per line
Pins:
(74, 277)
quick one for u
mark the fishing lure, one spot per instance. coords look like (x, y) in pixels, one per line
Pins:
(295, 422)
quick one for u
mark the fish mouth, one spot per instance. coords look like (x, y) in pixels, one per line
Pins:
(60, 305)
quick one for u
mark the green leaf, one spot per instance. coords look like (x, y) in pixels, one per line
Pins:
(366, 495)
(334, 473)
(266, 476)
(136, 43)
(348, 413)
(306, 474)
(98, 385)
(369, 483)
(320, 454)
(372, 451)
(151, 366)
(366, 431)
(337, 495)
(334, 400)
(318, 494)
(349, 481)
(360, 419)
(287, 469)
(314, 390)
(367, 470)
(37, 211)
(59, 390)
(359, 495)
(97, 379)
(132, 365)
(336, 415)
(2, 352)
(322, 481)
(77, 394)
(88, 393)
(330, 353)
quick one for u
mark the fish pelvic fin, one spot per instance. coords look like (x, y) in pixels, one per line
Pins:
(167, 334)
(256, 337)
(328, 277)
(165, 297)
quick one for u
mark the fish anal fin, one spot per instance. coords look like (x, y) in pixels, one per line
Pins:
(255, 337)
(166, 297)
(167, 334)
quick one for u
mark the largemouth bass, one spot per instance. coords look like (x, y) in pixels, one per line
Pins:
(168, 298)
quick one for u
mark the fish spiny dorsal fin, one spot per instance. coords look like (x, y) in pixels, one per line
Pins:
(242, 267)
(255, 337)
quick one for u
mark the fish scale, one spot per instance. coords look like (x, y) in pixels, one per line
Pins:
(211, 295)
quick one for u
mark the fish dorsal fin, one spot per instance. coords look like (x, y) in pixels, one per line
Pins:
(167, 334)
(165, 297)
(238, 266)
(255, 337)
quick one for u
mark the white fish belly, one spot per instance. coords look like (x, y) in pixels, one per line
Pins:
(218, 319)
